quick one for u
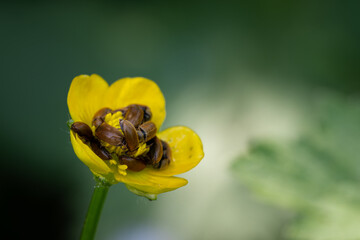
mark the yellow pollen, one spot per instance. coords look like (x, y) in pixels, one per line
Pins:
(114, 149)
(122, 169)
(143, 149)
(113, 119)
(112, 162)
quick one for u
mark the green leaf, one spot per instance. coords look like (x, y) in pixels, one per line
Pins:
(317, 175)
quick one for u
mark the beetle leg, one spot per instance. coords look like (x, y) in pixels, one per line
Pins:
(109, 134)
(130, 134)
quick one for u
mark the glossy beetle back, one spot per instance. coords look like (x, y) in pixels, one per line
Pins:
(109, 134)
(134, 164)
(83, 131)
(135, 115)
(131, 137)
(147, 131)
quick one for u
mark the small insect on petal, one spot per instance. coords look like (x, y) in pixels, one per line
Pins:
(134, 114)
(131, 136)
(156, 151)
(147, 131)
(83, 131)
(109, 134)
(166, 158)
(85, 134)
(99, 116)
(134, 164)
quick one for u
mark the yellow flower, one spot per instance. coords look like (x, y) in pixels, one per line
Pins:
(89, 94)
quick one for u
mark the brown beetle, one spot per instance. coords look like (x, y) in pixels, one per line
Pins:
(135, 107)
(99, 150)
(147, 113)
(156, 151)
(166, 158)
(99, 116)
(131, 137)
(109, 134)
(146, 131)
(85, 134)
(134, 164)
(134, 114)
(83, 131)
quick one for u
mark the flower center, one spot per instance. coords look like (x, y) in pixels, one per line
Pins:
(125, 139)
(114, 119)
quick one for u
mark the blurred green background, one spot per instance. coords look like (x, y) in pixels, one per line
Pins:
(268, 85)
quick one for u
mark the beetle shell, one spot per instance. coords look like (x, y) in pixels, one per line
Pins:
(130, 134)
(134, 114)
(147, 131)
(109, 134)
(83, 131)
(156, 151)
(134, 164)
(99, 116)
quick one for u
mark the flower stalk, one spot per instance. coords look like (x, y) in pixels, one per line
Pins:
(96, 204)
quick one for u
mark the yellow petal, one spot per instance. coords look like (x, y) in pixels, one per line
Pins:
(137, 90)
(187, 151)
(85, 97)
(152, 184)
(87, 156)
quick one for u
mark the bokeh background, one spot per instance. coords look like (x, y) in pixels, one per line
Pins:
(271, 87)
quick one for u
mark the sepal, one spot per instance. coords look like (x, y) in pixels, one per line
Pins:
(149, 196)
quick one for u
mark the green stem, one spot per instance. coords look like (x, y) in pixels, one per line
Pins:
(92, 218)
